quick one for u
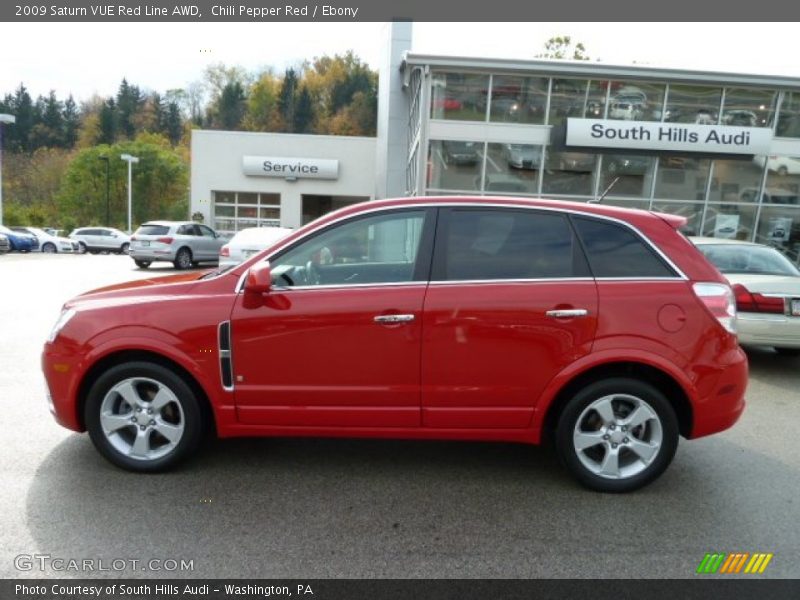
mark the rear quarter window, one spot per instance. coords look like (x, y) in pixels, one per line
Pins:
(614, 250)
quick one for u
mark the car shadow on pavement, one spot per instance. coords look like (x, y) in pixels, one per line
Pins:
(374, 508)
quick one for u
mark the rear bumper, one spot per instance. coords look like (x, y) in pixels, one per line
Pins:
(722, 407)
(779, 331)
(138, 253)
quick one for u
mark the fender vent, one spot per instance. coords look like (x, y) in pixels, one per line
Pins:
(225, 358)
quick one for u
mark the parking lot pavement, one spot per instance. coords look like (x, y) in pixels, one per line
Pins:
(343, 508)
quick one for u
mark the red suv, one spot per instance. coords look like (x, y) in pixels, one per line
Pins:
(600, 328)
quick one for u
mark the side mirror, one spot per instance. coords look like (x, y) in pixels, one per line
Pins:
(259, 279)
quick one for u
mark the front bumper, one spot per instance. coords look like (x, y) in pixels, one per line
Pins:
(779, 331)
(61, 372)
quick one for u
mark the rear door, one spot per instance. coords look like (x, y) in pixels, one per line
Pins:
(208, 242)
(510, 304)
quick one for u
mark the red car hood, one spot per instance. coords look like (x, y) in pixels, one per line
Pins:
(125, 292)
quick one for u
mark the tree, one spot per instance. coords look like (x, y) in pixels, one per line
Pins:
(129, 103)
(561, 47)
(173, 123)
(286, 99)
(108, 122)
(303, 112)
(71, 122)
(159, 182)
(230, 107)
(262, 103)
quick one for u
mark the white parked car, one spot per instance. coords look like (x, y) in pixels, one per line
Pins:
(101, 239)
(48, 242)
(248, 242)
(767, 289)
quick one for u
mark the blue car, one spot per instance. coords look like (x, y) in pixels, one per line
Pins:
(21, 242)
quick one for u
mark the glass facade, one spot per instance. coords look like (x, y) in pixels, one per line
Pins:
(750, 198)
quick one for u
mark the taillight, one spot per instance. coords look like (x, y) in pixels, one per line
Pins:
(134, 238)
(225, 251)
(747, 301)
(718, 299)
(165, 240)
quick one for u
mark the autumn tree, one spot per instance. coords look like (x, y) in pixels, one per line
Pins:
(561, 47)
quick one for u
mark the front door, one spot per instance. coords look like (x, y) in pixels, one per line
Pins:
(510, 304)
(337, 341)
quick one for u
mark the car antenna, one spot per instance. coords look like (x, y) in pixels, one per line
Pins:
(603, 195)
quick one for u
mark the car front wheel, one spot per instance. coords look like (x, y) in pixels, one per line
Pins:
(143, 417)
(124, 248)
(617, 435)
(49, 248)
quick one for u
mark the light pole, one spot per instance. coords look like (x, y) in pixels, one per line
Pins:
(108, 209)
(130, 160)
(4, 118)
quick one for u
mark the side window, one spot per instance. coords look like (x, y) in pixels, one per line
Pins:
(378, 249)
(615, 251)
(205, 231)
(482, 244)
(186, 230)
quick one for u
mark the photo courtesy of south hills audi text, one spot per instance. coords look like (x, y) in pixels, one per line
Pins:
(124, 590)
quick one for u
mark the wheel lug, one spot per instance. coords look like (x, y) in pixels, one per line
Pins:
(613, 445)
(624, 428)
(149, 411)
(605, 437)
(612, 427)
(152, 422)
(138, 409)
(625, 441)
(133, 419)
(142, 427)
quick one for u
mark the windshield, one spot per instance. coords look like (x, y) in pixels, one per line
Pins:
(757, 260)
(152, 230)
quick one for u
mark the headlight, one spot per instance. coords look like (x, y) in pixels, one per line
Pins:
(66, 315)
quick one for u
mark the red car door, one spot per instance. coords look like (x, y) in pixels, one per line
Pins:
(511, 303)
(337, 341)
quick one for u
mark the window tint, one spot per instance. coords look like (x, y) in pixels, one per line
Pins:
(616, 251)
(205, 231)
(152, 230)
(508, 244)
(377, 249)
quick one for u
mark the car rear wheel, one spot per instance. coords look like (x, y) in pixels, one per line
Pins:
(183, 260)
(142, 264)
(49, 248)
(143, 417)
(617, 435)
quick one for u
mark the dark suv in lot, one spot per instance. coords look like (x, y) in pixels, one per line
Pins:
(600, 328)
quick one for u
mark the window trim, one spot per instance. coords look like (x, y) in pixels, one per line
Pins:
(422, 263)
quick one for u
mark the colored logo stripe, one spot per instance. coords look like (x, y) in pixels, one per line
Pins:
(720, 562)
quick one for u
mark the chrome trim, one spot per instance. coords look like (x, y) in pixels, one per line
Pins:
(334, 286)
(446, 202)
(225, 355)
(567, 313)
(393, 318)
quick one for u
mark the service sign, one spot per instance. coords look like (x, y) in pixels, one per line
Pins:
(290, 168)
(668, 137)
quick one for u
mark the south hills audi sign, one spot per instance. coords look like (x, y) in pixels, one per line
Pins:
(668, 137)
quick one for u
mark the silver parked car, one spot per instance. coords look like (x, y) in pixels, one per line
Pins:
(767, 289)
(183, 243)
(100, 239)
(5, 245)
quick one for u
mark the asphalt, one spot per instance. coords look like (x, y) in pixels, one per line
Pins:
(309, 508)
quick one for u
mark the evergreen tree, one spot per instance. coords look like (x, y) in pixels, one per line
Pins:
(129, 103)
(231, 106)
(173, 123)
(71, 122)
(108, 122)
(303, 112)
(286, 99)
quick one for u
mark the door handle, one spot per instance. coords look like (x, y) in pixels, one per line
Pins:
(567, 313)
(391, 319)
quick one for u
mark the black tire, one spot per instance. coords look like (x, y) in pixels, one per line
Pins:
(183, 259)
(124, 248)
(788, 351)
(142, 264)
(49, 248)
(191, 417)
(629, 392)
(82, 248)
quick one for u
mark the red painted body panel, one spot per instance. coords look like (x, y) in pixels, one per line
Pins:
(489, 349)
(300, 351)
(479, 361)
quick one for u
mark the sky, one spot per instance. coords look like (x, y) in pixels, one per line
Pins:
(84, 59)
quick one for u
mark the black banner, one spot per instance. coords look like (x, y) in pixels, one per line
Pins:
(461, 589)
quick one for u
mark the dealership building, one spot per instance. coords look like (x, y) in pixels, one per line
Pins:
(721, 149)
